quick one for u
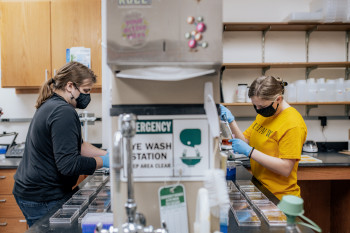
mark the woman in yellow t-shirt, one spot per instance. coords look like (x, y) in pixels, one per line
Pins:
(274, 141)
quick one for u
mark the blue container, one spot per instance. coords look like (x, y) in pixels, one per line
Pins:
(223, 228)
(90, 228)
(231, 171)
(3, 149)
(90, 220)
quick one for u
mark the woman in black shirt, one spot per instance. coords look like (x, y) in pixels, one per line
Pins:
(55, 154)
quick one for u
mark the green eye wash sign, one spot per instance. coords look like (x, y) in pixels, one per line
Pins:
(166, 148)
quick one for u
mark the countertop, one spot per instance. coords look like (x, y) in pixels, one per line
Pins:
(43, 224)
(9, 163)
(329, 159)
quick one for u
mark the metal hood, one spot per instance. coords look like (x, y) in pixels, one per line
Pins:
(177, 34)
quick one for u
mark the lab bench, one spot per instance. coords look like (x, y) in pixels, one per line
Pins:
(321, 184)
(325, 188)
(43, 225)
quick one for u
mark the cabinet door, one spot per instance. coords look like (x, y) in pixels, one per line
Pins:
(25, 43)
(9, 207)
(76, 23)
(13, 225)
(6, 180)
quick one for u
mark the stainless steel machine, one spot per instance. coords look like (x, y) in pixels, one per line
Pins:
(161, 54)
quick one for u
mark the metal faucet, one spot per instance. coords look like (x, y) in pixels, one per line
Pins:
(135, 221)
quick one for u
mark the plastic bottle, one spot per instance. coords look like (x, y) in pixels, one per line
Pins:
(301, 90)
(241, 93)
(224, 219)
(291, 93)
(247, 99)
(292, 228)
(330, 86)
(340, 90)
(311, 90)
(321, 90)
(347, 91)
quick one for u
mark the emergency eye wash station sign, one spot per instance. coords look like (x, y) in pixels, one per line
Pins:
(171, 148)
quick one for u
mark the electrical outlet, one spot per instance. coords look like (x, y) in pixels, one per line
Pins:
(323, 120)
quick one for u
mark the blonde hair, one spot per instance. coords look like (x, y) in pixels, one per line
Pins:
(71, 72)
(267, 87)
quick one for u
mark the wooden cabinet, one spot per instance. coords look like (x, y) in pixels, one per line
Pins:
(36, 34)
(13, 225)
(76, 23)
(25, 43)
(11, 217)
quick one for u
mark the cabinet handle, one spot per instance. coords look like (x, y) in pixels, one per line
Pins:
(45, 74)
(2, 177)
(3, 200)
(54, 72)
(22, 220)
(3, 223)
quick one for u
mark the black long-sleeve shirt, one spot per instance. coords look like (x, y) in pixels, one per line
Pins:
(52, 161)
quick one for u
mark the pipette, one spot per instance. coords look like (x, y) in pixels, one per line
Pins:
(228, 126)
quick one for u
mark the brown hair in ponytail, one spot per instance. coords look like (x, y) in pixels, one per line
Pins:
(267, 87)
(71, 72)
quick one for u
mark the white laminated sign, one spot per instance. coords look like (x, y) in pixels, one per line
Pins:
(171, 147)
(173, 208)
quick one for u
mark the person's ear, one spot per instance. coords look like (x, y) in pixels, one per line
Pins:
(279, 99)
(69, 86)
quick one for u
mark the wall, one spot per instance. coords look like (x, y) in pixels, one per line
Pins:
(17, 106)
(246, 47)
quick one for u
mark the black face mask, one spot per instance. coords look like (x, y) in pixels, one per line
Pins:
(83, 100)
(267, 111)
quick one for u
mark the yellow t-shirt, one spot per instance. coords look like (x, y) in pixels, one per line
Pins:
(280, 136)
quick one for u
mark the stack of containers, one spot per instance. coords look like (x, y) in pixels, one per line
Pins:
(64, 216)
(244, 214)
(320, 90)
(81, 199)
(270, 212)
(332, 10)
(79, 204)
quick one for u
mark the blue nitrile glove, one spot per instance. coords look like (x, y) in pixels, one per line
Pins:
(225, 111)
(241, 147)
(105, 160)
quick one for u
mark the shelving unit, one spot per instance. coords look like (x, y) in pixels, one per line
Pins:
(309, 66)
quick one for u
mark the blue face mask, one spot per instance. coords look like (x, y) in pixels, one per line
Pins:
(83, 100)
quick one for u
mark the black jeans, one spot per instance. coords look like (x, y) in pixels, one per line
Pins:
(33, 210)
